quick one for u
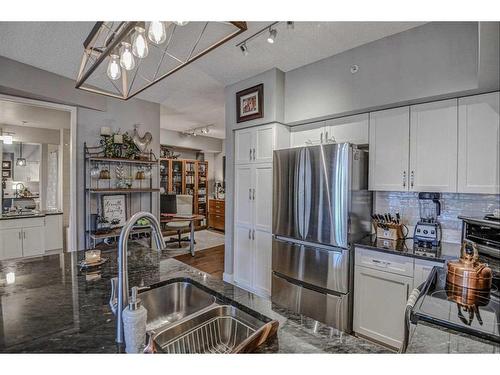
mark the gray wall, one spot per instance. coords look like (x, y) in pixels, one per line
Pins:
(176, 139)
(32, 135)
(435, 60)
(23, 80)
(94, 111)
(273, 81)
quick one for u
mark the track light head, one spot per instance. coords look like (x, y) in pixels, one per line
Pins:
(272, 36)
(290, 25)
(244, 49)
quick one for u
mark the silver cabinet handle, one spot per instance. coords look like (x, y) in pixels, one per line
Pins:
(326, 136)
(249, 194)
(250, 157)
(407, 291)
(253, 234)
(404, 178)
(254, 154)
(249, 234)
(321, 137)
(412, 178)
(253, 196)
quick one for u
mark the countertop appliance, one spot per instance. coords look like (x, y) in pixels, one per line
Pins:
(321, 205)
(484, 232)
(428, 230)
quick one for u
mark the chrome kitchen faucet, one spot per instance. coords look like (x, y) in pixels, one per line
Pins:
(119, 293)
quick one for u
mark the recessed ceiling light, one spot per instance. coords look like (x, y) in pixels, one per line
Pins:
(272, 36)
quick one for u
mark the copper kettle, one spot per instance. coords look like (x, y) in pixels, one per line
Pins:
(468, 272)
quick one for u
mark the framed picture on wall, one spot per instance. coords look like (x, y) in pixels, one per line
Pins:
(250, 103)
(114, 209)
(6, 164)
(6, 174)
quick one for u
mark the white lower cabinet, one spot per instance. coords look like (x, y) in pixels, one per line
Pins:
(53, 232)
(32, 241)
(379, 304)
(382, 285)
(21, 238)
(11, 244)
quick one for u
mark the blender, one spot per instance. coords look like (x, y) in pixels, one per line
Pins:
(428, 230)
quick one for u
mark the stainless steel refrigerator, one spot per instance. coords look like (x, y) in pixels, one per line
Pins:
(321, 205)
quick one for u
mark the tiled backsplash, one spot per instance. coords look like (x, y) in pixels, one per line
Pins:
(452, 205)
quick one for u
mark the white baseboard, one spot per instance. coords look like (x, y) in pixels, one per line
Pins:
(228, 277)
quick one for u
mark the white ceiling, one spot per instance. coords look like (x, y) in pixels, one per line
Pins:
(194, 96)
(13, 114)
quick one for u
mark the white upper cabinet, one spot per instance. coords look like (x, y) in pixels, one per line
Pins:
(352, 129)
(309, 134)
(256, 144)
(479, 144)
(433, 146)
(264, 140)
(243, 141)
(389, 149)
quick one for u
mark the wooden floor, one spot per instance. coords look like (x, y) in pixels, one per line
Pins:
(210, 260)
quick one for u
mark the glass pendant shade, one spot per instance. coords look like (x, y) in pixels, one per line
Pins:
(114, 71)
(156, 32)
(127, 60)
(21, 162)
(139, 43)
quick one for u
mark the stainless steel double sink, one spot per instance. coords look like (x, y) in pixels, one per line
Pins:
(183, 318)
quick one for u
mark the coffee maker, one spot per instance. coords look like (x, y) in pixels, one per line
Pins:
(428, 230)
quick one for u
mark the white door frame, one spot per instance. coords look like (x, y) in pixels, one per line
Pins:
(72, 243)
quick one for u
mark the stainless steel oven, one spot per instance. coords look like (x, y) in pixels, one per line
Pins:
(485, 232)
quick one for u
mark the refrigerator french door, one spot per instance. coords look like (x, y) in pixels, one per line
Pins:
(312, 213)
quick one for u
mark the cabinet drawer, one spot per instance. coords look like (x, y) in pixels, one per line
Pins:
(21, 223)
(217, 211)
(216, 221)
(397, 264)
(214, 204)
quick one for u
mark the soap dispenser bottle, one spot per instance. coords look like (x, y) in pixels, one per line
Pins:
(134, 324)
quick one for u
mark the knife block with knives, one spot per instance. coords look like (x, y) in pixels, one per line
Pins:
(387, 226)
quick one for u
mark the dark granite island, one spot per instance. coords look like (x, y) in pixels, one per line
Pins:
(48, 305)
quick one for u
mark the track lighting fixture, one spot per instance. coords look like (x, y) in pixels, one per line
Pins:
(272, 36)
(244, 49)
(195, 131)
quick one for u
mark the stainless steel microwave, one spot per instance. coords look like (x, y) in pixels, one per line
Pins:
(485, 232)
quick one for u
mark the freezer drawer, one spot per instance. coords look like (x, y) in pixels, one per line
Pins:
(333, 310)
(326, 269)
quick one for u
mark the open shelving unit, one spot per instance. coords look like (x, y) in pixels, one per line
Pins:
(138, 197)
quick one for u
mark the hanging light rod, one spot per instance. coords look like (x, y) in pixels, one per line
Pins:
(270, 38)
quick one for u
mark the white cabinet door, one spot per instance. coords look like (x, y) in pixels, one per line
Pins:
(243, 195)
(479, 144)
(53, 232)
(33, 243)
(11, 244)
(379, 305)
(262, 196)
(389, 149)
(309, 134)
(262, 242)
(352, 129)
(263, 144)
(243, 146)
(422, 270)
(243, 256)
(433, 146)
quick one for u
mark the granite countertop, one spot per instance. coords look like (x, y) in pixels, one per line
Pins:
(446, 251)
(30, 215)
(48, 305)
(428, 338)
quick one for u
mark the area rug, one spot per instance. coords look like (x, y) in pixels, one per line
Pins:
(204, 239)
